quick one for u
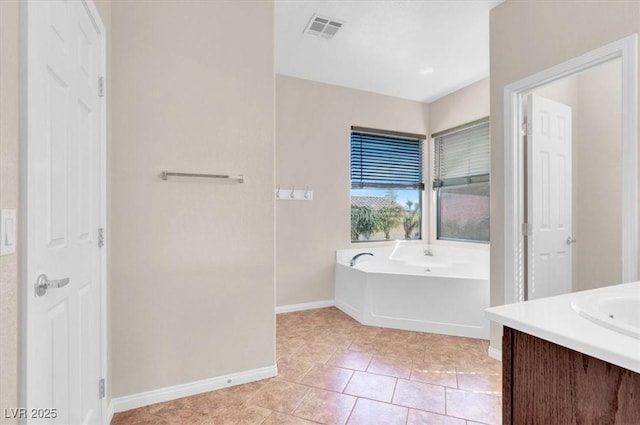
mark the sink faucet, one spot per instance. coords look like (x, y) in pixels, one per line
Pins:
(355, 257)
(427, 253)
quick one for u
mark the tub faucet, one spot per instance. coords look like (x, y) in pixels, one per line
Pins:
(355, 257)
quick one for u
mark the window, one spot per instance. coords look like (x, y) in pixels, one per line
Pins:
(461, 182)
(386, 185)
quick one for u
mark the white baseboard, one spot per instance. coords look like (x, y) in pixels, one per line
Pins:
(108, 416)
(133, 401)
(304, 306)
(494, 353)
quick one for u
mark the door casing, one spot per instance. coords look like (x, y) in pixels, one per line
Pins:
(626, 49)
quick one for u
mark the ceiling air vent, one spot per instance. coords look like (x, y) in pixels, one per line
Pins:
(322, 26)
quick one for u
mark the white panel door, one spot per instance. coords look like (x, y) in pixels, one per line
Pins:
(548, 197)
(65, 117)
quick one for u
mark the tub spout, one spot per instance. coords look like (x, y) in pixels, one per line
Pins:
(355, 257)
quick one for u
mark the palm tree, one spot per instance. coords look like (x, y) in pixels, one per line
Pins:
(388, 218)
(411, 218)
(364, 221)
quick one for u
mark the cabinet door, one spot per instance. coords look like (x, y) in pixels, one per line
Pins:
(545, 383)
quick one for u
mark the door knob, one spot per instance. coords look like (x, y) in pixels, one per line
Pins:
(571, 240)
(42, 284)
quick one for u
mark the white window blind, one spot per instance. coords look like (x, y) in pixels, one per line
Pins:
(462, 156)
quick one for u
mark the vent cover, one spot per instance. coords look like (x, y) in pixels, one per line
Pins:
(323, 26)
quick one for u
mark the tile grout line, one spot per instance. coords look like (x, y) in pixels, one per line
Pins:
(348, 382)
(352, 410)
(265, 419)
(445, 401)
(393, 394)
(300, 402)
(369, 362)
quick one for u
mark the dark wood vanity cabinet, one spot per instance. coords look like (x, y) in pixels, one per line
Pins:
(547, 384)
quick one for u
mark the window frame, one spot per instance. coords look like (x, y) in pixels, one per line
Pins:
(420, 187)
(434, 207)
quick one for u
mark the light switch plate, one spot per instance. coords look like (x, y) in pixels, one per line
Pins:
(7, 232)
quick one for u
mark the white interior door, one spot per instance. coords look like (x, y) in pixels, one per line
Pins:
(64, 210)
(548, 197)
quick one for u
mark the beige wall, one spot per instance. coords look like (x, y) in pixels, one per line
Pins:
(463, 106)
(192, 269)
(313, 123)
(527, 37)
(9, 293)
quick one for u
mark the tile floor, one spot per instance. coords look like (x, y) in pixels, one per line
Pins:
(333, 370)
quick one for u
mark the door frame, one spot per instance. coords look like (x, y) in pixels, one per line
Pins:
(26, 288)
(625, 49)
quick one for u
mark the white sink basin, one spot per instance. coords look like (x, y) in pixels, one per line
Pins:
(615, 310)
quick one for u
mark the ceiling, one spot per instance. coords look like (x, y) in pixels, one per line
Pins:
(419, 50)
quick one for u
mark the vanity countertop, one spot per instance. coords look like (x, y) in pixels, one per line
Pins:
(553, 319)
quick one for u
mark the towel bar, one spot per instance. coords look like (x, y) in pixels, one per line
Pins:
(166, 174)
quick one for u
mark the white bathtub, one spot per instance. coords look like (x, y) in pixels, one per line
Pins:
(400, 287)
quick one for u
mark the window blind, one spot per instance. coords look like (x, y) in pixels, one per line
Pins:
(385, 161)
(462, 156)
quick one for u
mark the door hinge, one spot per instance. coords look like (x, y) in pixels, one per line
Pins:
(101, 388)
(527, 229)
(525, 129)
(100, 237)
(100, 86)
